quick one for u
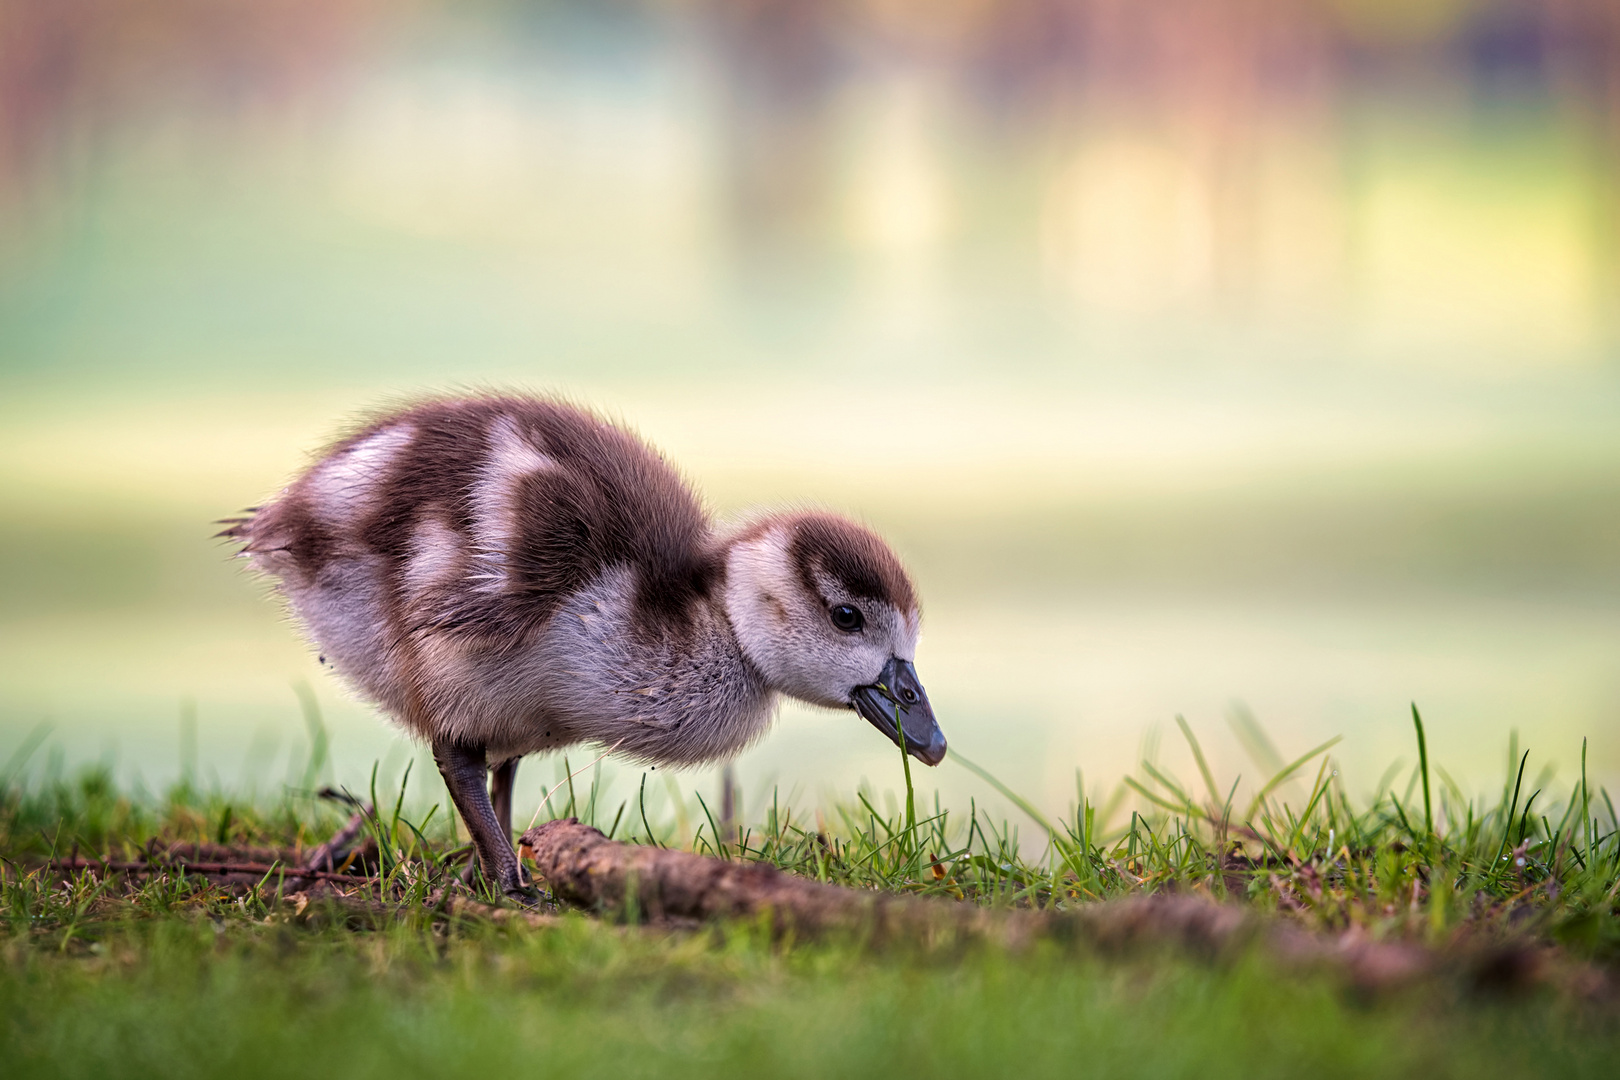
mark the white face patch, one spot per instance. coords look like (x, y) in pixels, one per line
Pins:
(494, 498)
(342, 489)
(786, 631)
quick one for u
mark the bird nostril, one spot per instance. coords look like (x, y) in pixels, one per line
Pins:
(909, 696)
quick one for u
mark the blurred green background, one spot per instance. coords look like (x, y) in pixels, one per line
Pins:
(1193, 353)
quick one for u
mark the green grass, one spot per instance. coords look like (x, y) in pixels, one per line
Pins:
(180, 997)
(172, 975)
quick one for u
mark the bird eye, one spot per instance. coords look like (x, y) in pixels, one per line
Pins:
(847, 618)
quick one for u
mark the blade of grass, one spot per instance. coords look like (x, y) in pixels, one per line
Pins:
(399, 805)
(1524, 819)
(1169, 785)
(642, 804)
(25, 750)
(1423, 766)
(905, 765)
(1287, 771)
(1317, 789)
(319, 741)
(1513, 808)
(1255, 741)
(1016, 799)
(719, 840)
(1156, 800)
(1198, 756)
(569, 780)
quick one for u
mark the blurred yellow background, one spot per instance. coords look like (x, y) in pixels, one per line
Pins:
(1198, 355)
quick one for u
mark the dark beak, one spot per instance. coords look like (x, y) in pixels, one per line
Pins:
(897, 703)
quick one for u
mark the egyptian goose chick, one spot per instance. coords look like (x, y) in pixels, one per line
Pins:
(505, 575)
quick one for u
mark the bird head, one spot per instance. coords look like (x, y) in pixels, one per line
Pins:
(824, 610)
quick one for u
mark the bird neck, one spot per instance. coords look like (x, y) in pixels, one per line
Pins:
(758, 577)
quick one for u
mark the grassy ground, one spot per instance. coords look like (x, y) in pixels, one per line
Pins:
(177, 973)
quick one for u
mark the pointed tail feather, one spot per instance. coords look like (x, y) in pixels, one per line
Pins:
(237, 528)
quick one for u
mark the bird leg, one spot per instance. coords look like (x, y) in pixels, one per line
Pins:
(465, 771)
(500, 798)
(501, 779)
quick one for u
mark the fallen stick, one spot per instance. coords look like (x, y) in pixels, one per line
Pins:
(584, 867)
(202, 851)
(322, 856)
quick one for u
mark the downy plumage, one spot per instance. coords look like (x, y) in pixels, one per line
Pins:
(505, 575)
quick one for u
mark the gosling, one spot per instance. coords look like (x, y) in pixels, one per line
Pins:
(504, 575)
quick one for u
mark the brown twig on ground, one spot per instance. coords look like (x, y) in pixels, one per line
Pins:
(584, 867)
(321, 858)
(203, 851)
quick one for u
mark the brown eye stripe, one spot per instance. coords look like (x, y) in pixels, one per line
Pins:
(860, 562)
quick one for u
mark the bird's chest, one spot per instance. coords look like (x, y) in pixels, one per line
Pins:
(677, 693)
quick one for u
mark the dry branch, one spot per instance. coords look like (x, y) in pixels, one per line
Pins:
(200, 851)
(322, 857)
(584, 867)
